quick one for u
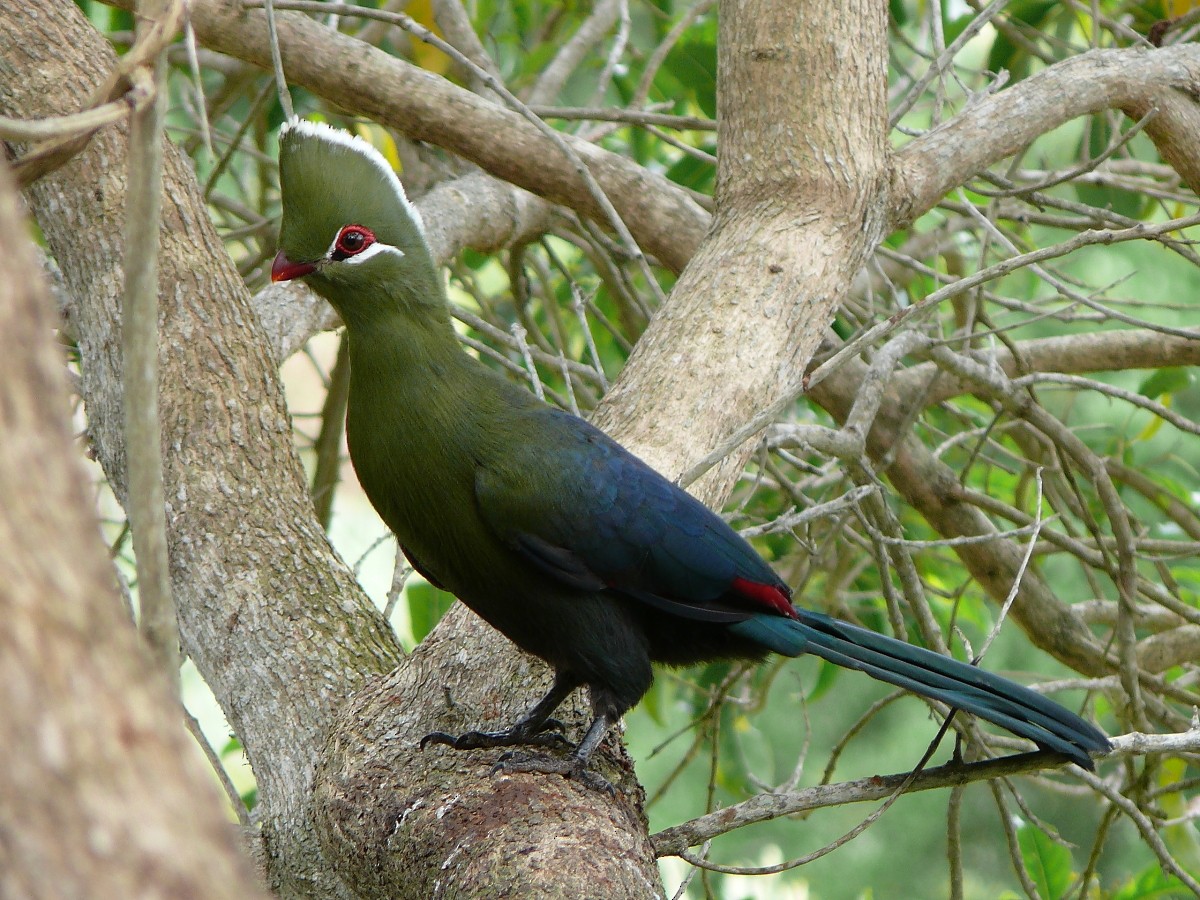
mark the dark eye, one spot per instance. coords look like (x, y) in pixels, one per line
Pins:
(352, 240)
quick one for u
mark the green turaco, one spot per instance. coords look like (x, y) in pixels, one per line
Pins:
(560, 538)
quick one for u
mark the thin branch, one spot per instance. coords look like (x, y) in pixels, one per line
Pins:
(1012, 594)
(236, 803)
(281, 88)
(675, 840)
(627, 116)
(604, 14)
(1145, 827)
(151, 40)
(146, 504)
(72, 125)
(1183, 423)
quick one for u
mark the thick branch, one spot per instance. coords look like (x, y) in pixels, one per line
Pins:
(995, 127)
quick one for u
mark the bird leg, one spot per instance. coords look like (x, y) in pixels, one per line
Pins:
(535, 728)
(574, 766)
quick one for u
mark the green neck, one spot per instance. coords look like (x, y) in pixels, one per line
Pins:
(398, 345)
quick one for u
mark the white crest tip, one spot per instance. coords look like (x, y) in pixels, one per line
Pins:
(322, 131)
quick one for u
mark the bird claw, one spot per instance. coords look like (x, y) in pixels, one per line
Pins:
(476, 740)
(571, 767)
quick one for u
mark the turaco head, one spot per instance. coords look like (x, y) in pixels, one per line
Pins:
(348, 227)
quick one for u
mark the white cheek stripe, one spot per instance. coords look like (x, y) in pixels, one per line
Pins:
(374, 250)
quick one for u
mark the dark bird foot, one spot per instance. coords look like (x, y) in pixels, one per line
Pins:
(568, 767)
(546, 735)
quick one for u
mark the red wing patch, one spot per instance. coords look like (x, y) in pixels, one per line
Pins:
(768, 595)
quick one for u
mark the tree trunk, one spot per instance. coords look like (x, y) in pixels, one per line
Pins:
(801, 200)
(102, 793)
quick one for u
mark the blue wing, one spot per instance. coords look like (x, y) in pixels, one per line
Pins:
(591, 514)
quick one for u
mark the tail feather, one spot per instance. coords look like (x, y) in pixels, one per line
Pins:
(957, 684)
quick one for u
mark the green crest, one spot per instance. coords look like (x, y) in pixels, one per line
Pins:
(331, 179)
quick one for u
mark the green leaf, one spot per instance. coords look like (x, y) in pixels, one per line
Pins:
(1165, 381)
(827, 676)
(475, 260)
(693, 173)
(690, 70)
(1010, 56)
(232, 746)
(1151, 884)
(953, 27)
(1048, 863)
(426, 606)
(250, 798)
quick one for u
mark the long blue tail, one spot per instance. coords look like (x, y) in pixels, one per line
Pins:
(957, 684)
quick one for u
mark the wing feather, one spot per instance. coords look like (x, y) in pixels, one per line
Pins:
(592, 515)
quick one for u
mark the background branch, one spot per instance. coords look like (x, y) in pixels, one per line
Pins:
(393, 92)
(997, 126)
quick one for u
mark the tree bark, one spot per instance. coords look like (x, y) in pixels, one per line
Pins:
(102, 794)
(272, 618)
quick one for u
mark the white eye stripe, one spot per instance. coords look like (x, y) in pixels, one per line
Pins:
(374, 250)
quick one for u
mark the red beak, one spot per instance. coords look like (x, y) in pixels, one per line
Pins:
(283, 269)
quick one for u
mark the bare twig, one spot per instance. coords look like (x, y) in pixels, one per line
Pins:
(281, 88)
(152, 39)
(627, 116)
(674, 841)
(73, 125)
(146, 504)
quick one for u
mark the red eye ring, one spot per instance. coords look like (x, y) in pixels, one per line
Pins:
(351, 241)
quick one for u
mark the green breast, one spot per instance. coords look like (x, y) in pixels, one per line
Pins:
(417, 436)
